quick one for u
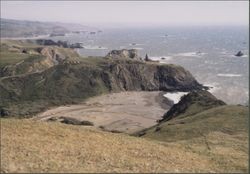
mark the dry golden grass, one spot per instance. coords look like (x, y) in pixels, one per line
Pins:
(33, 146)
(220, 134)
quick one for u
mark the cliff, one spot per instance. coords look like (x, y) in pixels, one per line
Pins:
(65, 83)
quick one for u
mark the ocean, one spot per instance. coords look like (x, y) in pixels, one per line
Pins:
(207, 52)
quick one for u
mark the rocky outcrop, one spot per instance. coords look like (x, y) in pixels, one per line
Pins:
(239, 54)
(200, 100)
(147, 59)
(124, 53)
(65, 83)
(69, 120)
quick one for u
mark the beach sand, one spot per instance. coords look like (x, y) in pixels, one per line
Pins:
(126, 112)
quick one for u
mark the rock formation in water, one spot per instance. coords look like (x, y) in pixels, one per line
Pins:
(239, 54)
(147, 58)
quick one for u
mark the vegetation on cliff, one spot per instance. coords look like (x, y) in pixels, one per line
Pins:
(198, 134)
(55, 76)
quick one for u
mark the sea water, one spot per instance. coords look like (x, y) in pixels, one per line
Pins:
(207, 52)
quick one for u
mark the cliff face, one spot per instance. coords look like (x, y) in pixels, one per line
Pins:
(125, 75)
(65, 83)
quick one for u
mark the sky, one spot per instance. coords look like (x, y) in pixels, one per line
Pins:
(136, 13)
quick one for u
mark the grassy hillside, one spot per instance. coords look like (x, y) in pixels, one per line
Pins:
(29, 146)
(45, 76)
(220, 133)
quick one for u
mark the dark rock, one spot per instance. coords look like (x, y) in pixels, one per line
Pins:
(115, 131)
(4, 112)
(68, 120)
(141, 134)
(46, 42)
(204, 99)
(24, 51)
(157, 129)
(239, 54)
(63, 44)
(163, 58)
(147, 58)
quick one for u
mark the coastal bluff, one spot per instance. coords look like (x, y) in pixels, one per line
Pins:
(62, 81)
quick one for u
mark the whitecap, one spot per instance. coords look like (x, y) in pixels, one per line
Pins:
(138, 48)
(122, 47)
(213, 87)
(175, 97)
(244, 56)
(94, 47)
(134, 44)
(161, 58)
(229, 75)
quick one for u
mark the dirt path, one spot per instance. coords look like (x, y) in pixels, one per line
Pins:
(126, 111)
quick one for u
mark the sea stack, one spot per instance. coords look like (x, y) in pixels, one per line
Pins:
(239, 54)
(147, 58)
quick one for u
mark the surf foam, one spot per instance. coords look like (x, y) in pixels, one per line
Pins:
(175, 97)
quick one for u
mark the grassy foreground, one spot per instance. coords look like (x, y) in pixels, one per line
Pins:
(29, 146)
(220, 134)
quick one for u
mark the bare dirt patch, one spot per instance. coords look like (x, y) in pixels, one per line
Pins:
(122, 112)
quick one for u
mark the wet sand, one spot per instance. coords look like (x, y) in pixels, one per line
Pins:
(121, 112)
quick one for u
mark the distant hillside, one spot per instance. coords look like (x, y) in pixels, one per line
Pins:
(24, 28)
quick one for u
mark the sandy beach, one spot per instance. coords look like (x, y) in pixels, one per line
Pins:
(124, 112)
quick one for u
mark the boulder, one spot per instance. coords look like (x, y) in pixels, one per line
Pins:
(239, 54)
(69, 120)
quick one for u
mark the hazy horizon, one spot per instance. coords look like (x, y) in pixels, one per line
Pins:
(128, 13)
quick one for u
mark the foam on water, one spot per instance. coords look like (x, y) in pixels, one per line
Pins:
(166, 58)
(175, 97)
(88, 47)
(191, 54)
(213, 87)
(135, 44)
(229, 75)
(137, 48)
